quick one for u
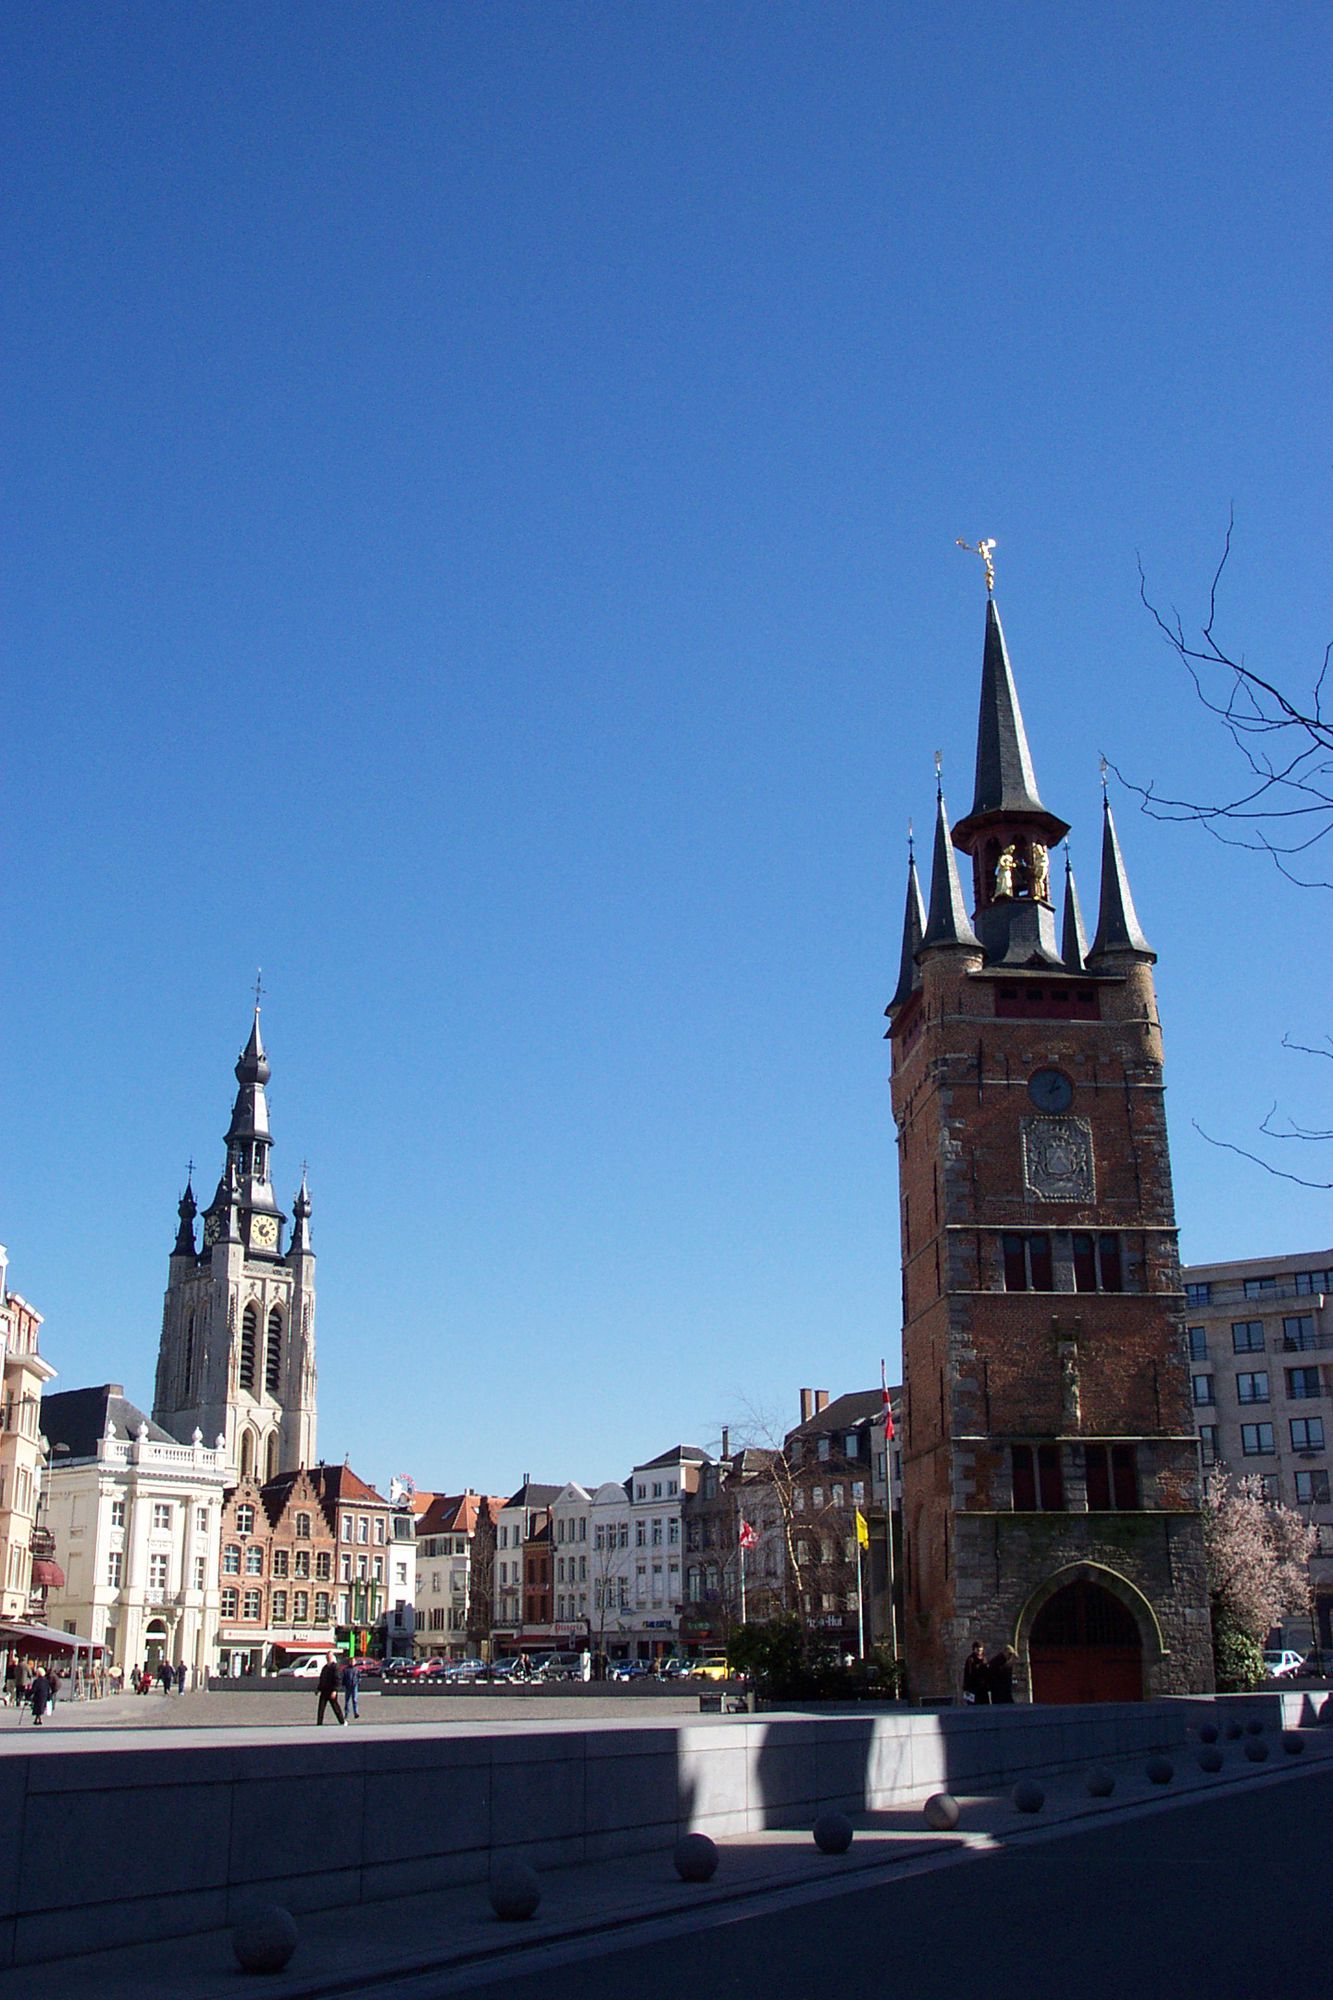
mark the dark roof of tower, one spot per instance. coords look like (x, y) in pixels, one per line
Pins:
(946, 923)
(186, 1209)
(252, 1063)
(78, 1418)
(1073, 937)
(1005, 778)
(1118, 927)
(914, 926)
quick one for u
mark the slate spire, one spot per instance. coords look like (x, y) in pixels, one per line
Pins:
(300, 1243)
(1005, 778)
(186, 1209)
(946, 923)
(1118, 928)
(914, 925)
(1073, 937)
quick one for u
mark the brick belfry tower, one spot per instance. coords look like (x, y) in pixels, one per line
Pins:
(1050, 1468)
(237, 1354)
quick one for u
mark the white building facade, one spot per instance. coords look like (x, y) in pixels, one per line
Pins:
(571, 1547)
(136, 1517)
(21, 1444)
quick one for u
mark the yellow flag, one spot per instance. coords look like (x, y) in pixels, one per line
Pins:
(862, 1529)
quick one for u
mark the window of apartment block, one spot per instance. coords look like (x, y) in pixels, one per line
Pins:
(1198, 1295)
(1303, 1383)
(1247, 1336)
(377, 1570)
(657, 1534)
(281, 1559)
(673, 1532)
(347, 1530)
(231, 1559)
(1307, 1433)
(379, 1527)
(851, 1445)
(321, 1607)
(303, 1527)
(245, 1520)
(1260, 1288)
(1208, 1441)
(279, 1607)
(201, 1572)
(858, 1492)
(1256, 1440)
(824, 1448)
(816, 1497)
(252, 1604)
(1201, 1388)
(117, 1513)
(324, 1566)
(1312, 1489)
(1198, 1340)
(1309, 1282)
(1252, 1388)
(157, 1574)
(201, 1520)
(115, 1569)
(838, 1492)
(1298, 1330)
(640, 1534)
(362, 1528)
(162, 1513)
(302, 1564)
(1027, 1263)
(229, 1602)
(301, 1605)
(254, 1560)
(1270, 1487)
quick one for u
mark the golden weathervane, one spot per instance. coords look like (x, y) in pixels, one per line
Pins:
(986, 550)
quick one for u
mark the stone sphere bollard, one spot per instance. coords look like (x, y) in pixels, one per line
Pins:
(1210, 1758)
(1256, 1749)
(1233, 1732)
(833, 1833)
(1027, 1796)
(1293, 1742)
(264, 1938)
(1100, 1782)
(941, 1812)
(695, 1856)
(1207, 1732)
(1159, 1770)
(515, 1891)
(1254, 1727)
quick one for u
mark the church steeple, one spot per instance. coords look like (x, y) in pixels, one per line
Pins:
(1073, 937)
(1118, 928)
(301, 1246)
(947, 922)
(914, 925)
(187, 1210)
(1009, 832)
(250, 1148)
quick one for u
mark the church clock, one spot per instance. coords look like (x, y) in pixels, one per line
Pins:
(263, 1232)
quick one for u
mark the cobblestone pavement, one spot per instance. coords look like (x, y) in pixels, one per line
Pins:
(295, 1708)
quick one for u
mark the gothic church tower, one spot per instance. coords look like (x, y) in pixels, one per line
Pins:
(237, 1354)
(1050, 1468)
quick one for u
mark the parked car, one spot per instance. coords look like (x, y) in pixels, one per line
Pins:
(628, 1670)
(1280, 1666)
(712, 1667)
(675, 1670)
(559, 1667)
(398, 1670)
(308, 1669)
(500, 1670)
(429, 1670)
(371, 1668)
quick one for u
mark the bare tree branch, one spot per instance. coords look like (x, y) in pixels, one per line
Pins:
(1225, 1146)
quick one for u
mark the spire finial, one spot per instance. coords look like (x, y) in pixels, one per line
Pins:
(1104, 767)
(986, 550)
(260, 988)
(911, 842)
(939, 774)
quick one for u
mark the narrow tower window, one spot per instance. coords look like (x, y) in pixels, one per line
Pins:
(187, 1371)
(249, 1342)
(273, 1353)
(1027, 1263)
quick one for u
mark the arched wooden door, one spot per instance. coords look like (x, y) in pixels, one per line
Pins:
(1085, 1646)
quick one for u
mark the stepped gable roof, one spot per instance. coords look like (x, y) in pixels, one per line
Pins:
(689, 1452)
(79, 1418)
(844, 1413)
(279, 1493)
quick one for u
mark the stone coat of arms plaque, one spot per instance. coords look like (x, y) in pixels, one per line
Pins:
(1057, 1159)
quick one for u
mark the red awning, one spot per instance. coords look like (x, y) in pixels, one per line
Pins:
(47, 1575)
(44, 1639)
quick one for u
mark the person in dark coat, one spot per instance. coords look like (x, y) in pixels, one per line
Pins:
(180, 1676)
(976, 1675)
(1002, 1675)
(351, 1682)
(330, 1679)
(41, 1698)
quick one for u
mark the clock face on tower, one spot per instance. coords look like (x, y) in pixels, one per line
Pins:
(1050, 1090)
(263, 1232)
(212, 1230)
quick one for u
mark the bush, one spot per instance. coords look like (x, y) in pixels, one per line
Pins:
(786, 1663)
(1238, 1660)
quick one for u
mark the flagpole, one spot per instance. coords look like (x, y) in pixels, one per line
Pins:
(742, 1550)
(860, 1605)
(888, 1506)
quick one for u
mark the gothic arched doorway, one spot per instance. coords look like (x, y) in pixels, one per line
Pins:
(1085, 1645)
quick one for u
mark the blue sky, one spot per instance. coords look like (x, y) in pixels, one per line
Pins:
(480, 514)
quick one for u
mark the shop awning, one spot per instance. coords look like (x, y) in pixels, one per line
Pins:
(44, 1639)
(47, 1575)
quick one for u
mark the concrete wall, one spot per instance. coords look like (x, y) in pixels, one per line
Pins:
(104, 1846)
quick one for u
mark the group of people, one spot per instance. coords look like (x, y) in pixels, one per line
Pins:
(143, 1679)
(339, 1677)
(989, 1680)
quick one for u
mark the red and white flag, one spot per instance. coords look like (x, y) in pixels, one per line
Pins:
(888, 1406)
(747, 1537)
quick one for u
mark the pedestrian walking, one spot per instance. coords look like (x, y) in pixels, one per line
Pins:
(329, 1678)
(351, 1682)
(180, 1676)
(166, 1675)
(40, 1698)
(145, 1678)
(1002, 1674)
(976, 1675)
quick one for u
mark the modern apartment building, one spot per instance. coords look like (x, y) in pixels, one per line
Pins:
(1260, 1335)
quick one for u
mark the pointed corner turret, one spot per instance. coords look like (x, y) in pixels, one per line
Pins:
(946, 922)
(1073, 937)
(300, 1243)
(914, 927)
(186, 1209)
(1119, 933)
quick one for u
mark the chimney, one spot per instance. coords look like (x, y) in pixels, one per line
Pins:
(807, 1405)
(821, 1400)
(726, 1442)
